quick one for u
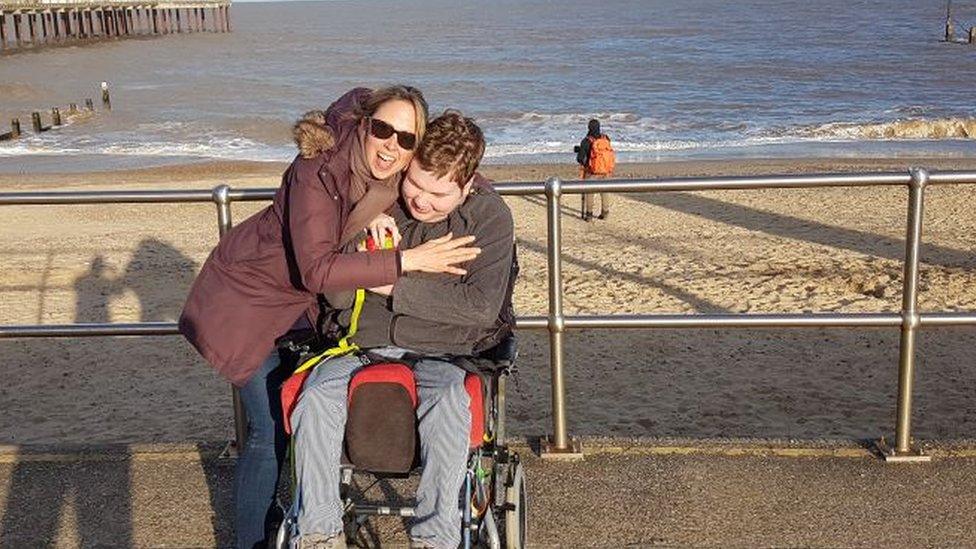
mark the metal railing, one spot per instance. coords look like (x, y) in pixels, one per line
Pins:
(909, 319)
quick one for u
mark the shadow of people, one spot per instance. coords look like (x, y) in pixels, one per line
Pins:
(47, 498)
(93, 290)
(160, 275)
(800, 229)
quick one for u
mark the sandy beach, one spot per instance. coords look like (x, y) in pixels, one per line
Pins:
(719, 251)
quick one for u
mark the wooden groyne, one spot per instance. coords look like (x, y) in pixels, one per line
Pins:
(71, 111)
(28, 23)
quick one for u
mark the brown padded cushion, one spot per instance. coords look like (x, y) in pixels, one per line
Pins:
(381, 428)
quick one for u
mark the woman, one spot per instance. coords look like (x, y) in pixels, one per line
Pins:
(264, 275)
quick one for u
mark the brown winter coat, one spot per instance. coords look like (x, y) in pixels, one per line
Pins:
(265, 272)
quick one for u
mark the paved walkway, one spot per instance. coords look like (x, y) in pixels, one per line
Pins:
(638, 494)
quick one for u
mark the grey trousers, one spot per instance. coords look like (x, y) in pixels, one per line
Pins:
(588, 199)
(319, 421)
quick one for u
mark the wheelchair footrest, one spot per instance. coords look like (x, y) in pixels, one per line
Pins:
(383, 510)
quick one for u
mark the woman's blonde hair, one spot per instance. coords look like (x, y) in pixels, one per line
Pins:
(398, 92)
(313, 136)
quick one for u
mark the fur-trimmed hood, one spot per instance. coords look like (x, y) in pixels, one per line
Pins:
(312, 135)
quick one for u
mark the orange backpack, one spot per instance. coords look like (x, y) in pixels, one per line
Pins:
(602, 158)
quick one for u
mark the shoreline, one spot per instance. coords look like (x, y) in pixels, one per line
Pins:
(256, 173)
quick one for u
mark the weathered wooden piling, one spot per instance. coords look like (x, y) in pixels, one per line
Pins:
(950, 35)
(14, 128)
(972, 35)
(36, 122)
(39, 22)
(106, 100)
(55, 116)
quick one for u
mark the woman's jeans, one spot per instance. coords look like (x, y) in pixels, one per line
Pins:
(259, 463)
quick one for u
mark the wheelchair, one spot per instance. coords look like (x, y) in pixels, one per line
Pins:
(494, 500)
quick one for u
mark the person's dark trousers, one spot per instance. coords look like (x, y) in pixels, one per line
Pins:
(259, 463)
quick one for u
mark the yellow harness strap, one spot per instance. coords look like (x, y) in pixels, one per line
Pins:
(344, 346)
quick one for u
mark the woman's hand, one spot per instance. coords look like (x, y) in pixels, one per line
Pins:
(378, 228)
(439, 255)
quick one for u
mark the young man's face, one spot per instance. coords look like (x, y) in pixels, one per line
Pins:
(430, 198)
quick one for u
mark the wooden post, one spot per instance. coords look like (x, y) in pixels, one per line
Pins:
(30, 27)
(72, 108)
(43, 27)
(55, 117)
(36, 122)
(14, 128)
(3, 30)
(155, 20)
(106, 100)
(972, 35)
(89, 105)
(17, 29)
(179, 21)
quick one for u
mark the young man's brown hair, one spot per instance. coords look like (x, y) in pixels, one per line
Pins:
(452, 145)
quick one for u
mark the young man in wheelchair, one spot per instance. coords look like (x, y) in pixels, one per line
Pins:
(428, 316)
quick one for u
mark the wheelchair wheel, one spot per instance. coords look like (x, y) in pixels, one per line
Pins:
(516, 508)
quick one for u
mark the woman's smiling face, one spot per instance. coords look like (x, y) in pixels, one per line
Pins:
(385, 157)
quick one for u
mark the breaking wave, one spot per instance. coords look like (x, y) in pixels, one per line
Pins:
(933, 129)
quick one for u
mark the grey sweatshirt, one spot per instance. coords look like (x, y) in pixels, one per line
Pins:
(440, 313)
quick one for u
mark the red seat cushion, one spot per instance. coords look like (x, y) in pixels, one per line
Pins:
(472, 383)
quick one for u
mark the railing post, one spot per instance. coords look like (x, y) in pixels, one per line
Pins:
(559, 445)
(910, 323)
(221, 197)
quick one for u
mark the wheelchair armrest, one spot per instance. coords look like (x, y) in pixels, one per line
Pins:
(503, 354)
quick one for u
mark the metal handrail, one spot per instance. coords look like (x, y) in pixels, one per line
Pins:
(909, 319)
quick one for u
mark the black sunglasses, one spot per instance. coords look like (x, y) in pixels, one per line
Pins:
(382, 130)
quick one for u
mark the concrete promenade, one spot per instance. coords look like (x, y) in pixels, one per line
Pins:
(623, 494)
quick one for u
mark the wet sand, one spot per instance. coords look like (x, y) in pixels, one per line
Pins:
(715, 251)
